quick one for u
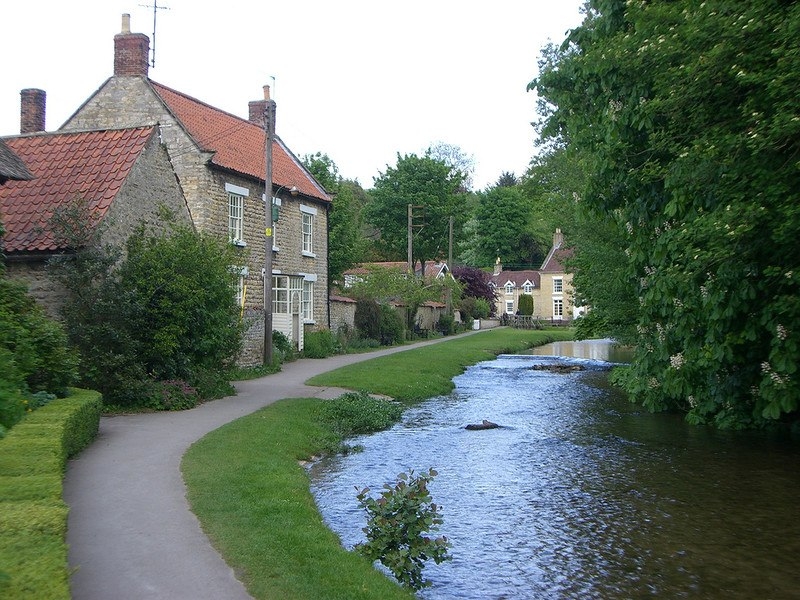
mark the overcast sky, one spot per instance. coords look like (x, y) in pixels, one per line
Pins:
(358, 80)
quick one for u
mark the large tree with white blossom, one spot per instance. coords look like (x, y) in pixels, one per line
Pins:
(688, 113)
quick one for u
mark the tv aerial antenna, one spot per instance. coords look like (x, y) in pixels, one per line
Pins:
(155, 8)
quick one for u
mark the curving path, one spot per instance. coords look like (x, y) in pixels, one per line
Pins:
(131, 534)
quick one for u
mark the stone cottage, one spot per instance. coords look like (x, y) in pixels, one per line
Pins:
(124, 177)
(219, 161)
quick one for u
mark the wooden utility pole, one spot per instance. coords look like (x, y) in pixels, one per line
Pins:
(449, 292)
(269, 129)
(410, 239)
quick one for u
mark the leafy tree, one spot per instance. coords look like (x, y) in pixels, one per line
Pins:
(383, 284)
(507, 179)
(475, 284)
(688, 111)
(504, 215)
(433, 188)
(346, 242)
(455, 158)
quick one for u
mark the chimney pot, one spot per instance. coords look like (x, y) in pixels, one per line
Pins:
(126, 23)
(33, 103)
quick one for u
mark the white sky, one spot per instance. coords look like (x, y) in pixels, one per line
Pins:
(359, 80)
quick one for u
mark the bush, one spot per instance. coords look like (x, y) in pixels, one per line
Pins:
(283, 347)
(33, 516)
(392, 328)
(164, 313)
(446, 325)
(368, 319)
(40, 359)
(356, 413)
(320, 344)
(525, 304)
(397, 524)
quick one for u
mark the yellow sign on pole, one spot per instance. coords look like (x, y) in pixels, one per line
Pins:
(268, 232)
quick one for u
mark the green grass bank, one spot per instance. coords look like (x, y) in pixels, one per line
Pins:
(251, 494)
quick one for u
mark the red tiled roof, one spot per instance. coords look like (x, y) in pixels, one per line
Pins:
(91, 165)
(237, 143)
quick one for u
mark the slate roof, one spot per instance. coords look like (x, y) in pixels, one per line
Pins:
(518, 278)
(237, 143)
(554, 262)
(11, 166)
(92, 165)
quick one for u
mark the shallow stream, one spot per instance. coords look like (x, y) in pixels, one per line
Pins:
(581, 494)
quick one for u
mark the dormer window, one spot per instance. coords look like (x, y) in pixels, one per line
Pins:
(527, 287)
(509, 288)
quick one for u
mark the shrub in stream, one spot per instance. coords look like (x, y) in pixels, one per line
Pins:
(397, 527)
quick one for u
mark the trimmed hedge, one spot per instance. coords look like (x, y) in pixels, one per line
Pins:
(33, 515)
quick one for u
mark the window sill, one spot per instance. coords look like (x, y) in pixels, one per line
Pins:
(309, 254)
(239, 243)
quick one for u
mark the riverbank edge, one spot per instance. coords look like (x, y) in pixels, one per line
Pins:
(259, 512)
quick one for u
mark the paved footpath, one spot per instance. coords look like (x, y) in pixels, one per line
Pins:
(131, 534)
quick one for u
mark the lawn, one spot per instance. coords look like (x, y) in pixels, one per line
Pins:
(248, 488)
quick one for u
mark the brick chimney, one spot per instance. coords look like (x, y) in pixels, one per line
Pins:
(258, 108)
(32, 110)
(131, 51)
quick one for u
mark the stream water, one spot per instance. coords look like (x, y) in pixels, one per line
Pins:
(581, 494)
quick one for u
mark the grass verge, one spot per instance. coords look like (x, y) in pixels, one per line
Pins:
(428, 371)
(251, 494)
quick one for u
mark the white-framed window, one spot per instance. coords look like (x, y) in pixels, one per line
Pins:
(527, 287)
(280, 294)
(308, 300)
(308, 213)
(509, 288)
(558, 309)
(558, 285)
(236, 196)
(509, 307)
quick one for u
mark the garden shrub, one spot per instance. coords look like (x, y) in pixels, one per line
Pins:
(392, 327)
(166, 312)
(33, 516)
(320, 344)
(397, 527)
(368, 319)
(446, 325)
(283, 347)
(525, 305)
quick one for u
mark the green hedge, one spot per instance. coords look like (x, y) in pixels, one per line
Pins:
(33, 516)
